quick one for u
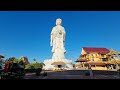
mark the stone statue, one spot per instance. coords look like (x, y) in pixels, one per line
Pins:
(57, 40)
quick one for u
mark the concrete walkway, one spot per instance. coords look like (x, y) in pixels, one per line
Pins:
(69, 75)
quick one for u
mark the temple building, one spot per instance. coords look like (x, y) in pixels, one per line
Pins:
(96, 57)
(94, 54)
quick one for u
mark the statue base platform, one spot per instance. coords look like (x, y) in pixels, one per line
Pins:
(64, 64)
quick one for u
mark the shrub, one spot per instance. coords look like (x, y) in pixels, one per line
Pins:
(38, 70)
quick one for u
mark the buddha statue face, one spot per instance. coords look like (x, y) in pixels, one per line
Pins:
(58, 21)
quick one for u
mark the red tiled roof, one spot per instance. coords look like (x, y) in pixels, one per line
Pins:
(99, 50)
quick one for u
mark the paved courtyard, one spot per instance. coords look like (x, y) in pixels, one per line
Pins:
(74, 74)
(69, 75)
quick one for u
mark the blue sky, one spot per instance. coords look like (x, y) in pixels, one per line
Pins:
(27, 33)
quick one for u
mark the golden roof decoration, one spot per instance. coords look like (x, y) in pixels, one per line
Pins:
(113, 52)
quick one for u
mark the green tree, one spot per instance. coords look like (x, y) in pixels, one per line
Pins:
(29, 66)
(16, 61)
(35, 65)
(13, 59)
(42, 64)
(23, 61)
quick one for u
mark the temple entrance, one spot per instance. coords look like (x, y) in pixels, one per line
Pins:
(59, 66)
